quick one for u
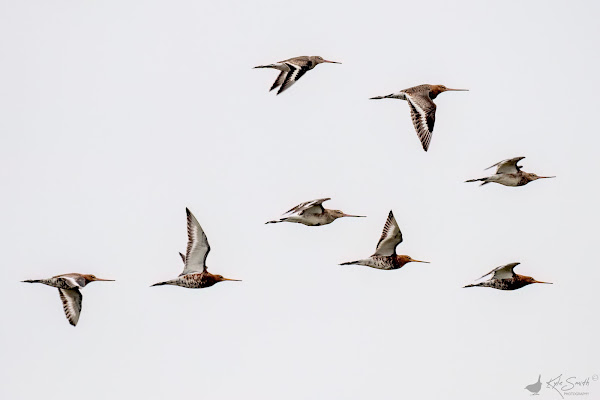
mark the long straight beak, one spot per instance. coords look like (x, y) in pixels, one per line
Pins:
(357, 216)
(413, 260)
(457, 90)
(549, 283)
(105, 280)
(542, 177)
(333, 62)
(235, 280)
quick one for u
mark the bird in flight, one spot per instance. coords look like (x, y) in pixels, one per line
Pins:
(385, 256)
(312, 213)
(505, 278)
(293, 69)
(508, 173)
(422, 108)
(195, 274)
(68, 288)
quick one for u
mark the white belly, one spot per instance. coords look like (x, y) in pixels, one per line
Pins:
(505, 179)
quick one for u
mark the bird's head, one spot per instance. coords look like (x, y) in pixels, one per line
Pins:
(437, 89)
(403, 259)
(92, 278)
(319, 60)
(220, 278)
(534, 177)
(528, 280)
(339, 214)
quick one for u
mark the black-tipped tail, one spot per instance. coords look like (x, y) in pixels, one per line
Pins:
(32, 281)
(350, 263)
(273, 222)
(159, 284)
(379, 97)
(483, 181)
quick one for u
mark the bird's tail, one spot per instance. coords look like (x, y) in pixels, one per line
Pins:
(267, 66)
(351, 263)
(399, 96)
(32, 281)
(473, 285)
(380, 97)
(483, 180)
(162, 283)
(274, 221)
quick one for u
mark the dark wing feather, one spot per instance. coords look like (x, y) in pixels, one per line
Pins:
(71, 300)
(280, 79)
(308, 205)
(390, 237)
(507, 166)
(71, 281)
(197, 248)
(296, 72)
(422, 113)
(503, 272)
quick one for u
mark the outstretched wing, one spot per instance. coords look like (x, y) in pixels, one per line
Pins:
(309, 207)
(71, 300)
(422, 113)
(297, 70)
(390, 238)
(197, 247)
(502, 272)
(280, 79)
(508, 166)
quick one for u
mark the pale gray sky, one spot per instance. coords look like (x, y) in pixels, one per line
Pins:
(116, 115)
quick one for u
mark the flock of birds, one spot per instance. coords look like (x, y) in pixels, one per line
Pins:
(312, 213)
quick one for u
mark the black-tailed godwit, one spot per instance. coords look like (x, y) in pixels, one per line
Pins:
(195, 275)
(293, 69)
(68, 288)
(505, 278)
(508, 173)
(312, 213)
(422, 108)
(385, 256)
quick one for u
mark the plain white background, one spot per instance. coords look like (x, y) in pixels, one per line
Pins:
(116, 115)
